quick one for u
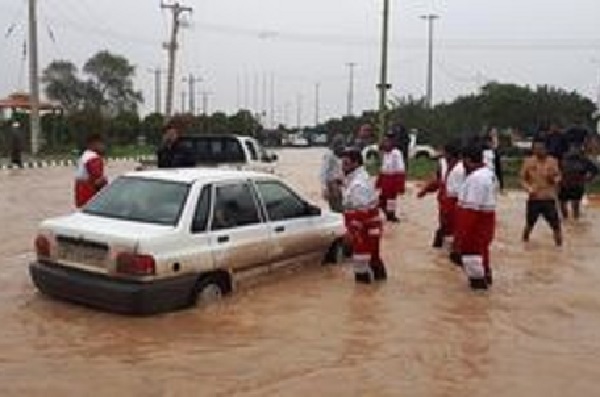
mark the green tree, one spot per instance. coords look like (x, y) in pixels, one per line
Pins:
(243, 122)
(63, 85)
(151, 126)
(110, 83)
(504, 106)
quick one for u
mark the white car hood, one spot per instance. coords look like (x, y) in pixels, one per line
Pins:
(101, 228)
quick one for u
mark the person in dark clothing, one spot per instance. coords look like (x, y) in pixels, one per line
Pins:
(556, 142)
(577, 134)
(364, 137)
(402, 141)
(577, 170)
(173, 153)
(16, 145)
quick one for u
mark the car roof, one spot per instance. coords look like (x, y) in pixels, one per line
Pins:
(204, 175)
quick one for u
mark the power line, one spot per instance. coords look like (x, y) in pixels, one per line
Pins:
(409, 43)
(19, 11)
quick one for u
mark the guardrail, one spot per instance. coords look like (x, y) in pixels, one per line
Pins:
(31, 164)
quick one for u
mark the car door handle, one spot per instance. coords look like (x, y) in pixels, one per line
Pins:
(279, 229)
(222, 239)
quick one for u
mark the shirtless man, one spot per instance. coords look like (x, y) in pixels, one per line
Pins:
(541, 177)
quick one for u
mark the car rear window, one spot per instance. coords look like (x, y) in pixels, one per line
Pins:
(141, 200)
(214, 150)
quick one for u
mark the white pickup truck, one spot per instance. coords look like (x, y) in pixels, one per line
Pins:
(415, 150)
(231, 151)
(420, 151)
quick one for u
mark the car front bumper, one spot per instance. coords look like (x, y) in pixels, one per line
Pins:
(114, 295)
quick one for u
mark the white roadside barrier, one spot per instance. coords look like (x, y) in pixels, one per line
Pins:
(33, 164)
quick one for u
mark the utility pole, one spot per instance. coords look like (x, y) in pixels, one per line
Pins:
(205, 116)
(34, 82)
(264, 96)
(246, 91)
(383, 85)
(273, 100)
(157, 89)
(205, 96)
(597, 63)
(255, 99)
(286, 114)
(191, 80)
(177, 10)
(183, 96)
(317, 102)
(299, 111)
(237, 93)
(430, 18)
(350, 101)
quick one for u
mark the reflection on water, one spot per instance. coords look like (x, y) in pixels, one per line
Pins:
(312, 331)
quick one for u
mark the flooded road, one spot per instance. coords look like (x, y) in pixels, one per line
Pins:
(312, 331)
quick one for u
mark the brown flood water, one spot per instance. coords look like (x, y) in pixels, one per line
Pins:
(312, 331)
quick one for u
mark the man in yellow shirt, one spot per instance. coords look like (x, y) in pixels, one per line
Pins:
(540, 177)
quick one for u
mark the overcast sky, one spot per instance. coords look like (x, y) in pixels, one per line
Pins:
(233, 44)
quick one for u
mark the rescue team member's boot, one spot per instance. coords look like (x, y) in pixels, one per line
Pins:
(379, 271)
(363, 274)
(363, 278)
(456, 258)
(391, 217)
(438, 239)
(476, 272)
(478, 284)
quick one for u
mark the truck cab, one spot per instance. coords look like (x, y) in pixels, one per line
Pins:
(239, 152)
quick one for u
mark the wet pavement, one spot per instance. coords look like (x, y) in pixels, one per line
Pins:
(311, 330)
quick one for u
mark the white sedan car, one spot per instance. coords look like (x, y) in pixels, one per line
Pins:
(155, 241)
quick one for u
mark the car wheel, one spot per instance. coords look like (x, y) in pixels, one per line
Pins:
(210, 288)
(337, 253)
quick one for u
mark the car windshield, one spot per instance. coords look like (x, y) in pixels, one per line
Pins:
(141, 200)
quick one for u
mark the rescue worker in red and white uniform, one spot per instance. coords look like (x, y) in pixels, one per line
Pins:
(362, 218)
(446, 204)
(391, 180)
(89, 177)
(476, 221)
(454, 183)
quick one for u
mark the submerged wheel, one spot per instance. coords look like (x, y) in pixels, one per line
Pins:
(337, 253)
(211, 288)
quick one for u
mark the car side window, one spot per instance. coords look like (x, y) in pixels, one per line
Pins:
(280, 201)
(235, 206)
(252, 151)
(202, 212)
